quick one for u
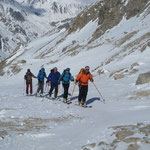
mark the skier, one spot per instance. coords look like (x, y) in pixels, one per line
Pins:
(28, 77)
(66, 77)
(83, 78)
(53, 78)
(41, 76)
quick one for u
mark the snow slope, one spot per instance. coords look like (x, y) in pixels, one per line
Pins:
(38, 123)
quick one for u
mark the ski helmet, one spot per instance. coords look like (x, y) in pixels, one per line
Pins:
(68, 69)
(55, 68)
(87, 68)
(42, 69)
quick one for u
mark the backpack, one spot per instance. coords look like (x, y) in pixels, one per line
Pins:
(41, 74)
(82, 70)
(28, 76)
(64, 72)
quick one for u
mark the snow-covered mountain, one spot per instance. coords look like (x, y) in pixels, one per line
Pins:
(22, 21)
(112, 37)
(106, 27)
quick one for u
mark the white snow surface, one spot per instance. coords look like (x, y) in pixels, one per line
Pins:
(88, 125)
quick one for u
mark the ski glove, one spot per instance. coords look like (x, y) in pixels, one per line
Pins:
(92, 80)
(76, 82)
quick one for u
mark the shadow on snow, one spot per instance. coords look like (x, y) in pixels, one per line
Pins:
(89, 101)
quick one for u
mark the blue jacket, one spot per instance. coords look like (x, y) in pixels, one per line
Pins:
(41, 75)
(66, 78)
(54, 77)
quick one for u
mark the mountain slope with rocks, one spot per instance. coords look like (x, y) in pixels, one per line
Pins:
(112, 37)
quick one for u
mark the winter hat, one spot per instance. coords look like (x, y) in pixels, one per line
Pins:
(68, 69)
(87, 68)
(55, 68)
(42, 69)
(28, 70)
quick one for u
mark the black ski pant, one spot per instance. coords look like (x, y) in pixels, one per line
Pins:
(40, 87)
(83, 90)
(66, 88)
(53, 86)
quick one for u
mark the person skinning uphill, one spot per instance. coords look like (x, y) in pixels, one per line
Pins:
(41, 75)
(66, 77)
(83, 77)
(53, 78)
(28, 77)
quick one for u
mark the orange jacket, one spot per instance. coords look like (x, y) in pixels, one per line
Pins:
(83, 78)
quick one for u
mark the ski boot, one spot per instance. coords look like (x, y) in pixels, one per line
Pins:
(65, 100)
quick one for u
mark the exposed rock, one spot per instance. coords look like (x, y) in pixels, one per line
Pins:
(135, 7)
(134, 65)
(85, 147)
(134, 71)
(137, 95)
(126, 38)
(16, 15)
(109, 14)
(15, 68)
(143, 93)
(123, 134)
(19, 29)
(133, 147)
(22, 61)
(119, 71)
(146, 140)
(102, 143)
(114, 143)
(145, 130)
(19, 126)
(74, 53)
(100, 71)
(3, 133)
(66, 25)
(140, 124)
(132, 140)
(118, 76)
(143, 78)
(2, 66)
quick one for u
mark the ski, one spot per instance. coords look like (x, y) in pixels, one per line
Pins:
(30, 95)
(45, 95)
(52, 98)
(86, 106)
(67, 102)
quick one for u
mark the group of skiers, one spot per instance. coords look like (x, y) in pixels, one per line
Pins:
(54, 80)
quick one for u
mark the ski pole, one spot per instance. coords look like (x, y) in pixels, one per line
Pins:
(24, 87)
(58, 92)
(73, 91)
(98, 91)
(46, 87)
